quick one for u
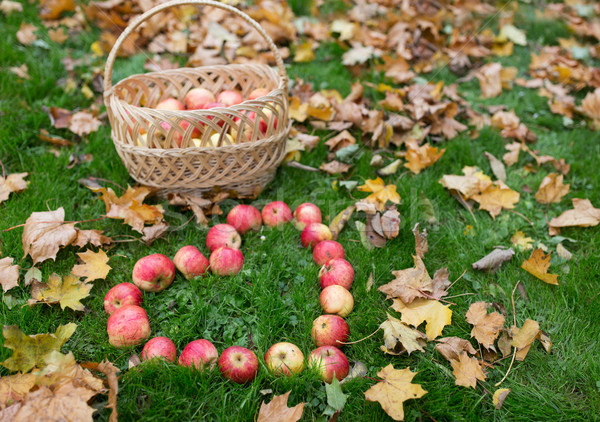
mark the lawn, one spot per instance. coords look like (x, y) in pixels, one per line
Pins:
(275, 297)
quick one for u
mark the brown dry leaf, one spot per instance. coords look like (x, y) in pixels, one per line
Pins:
(14, 182)
(421, 244)
(339, 221)
(409, 284)
(452, 347)
(421, 310)
(583, 214)
(489, 80)
(83, 123)
(278, 411)
(359, 54)
(373, 231)
(521, 241)
(467, 371)
(305, 52)
(45, 233)
(319, 107)
(68, 292)
(590, 106)
(523, 338)
(32, 351)
(552, 189)
(496, 198)
(60, 118)
(7, 7)
(9, 274)
(440, 283)
(341, 140)
(58, 35)
(93, 237)
(21, 71)
(111, 371)
(422, 157)
(390, 223)
(52, 9)
(14, 388)
(537, 265)
(335, 167)
(486, 327)
(309, 141)
(512, 156)
(394, 389)
(156, 231)
(399, 337)
(497, 167)
(381, 193)
(25, 34)
(499, 397)
(493, 260)
(95, 266)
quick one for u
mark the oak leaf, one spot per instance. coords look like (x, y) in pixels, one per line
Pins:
(9, 274)
(13, 183)
(583, 214)
(537, 265)
(45, 233)
(399, 337)
(496, 198)
(452, 347)
(394, 389)
(467, 370)
(32, 351)
(422, 157)
(421, 310)
(95, 266)
(67, 292)
(381, 193)
(278, 411)
(552, 189)
(486, 327)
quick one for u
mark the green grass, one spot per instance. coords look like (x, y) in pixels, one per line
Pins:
(275, 297)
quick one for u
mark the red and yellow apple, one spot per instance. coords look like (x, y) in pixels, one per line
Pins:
(153, 273)
(226, 261)
(284, 359)
(197, 98)
(314, 233)
(159, 347)
(238, 364)
(200, 354)
(305, 214)
(276, 213)
(329, 361)
(190, 261)
(330, 330)
(258, 92)
(337, 271)
(336, 300)
(128, 326)
(327, 250)
(244, 218)
(223, 235)
(229, 97)
(170, 104)
(121, 295)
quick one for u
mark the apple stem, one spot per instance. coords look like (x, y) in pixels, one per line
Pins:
(362, 339)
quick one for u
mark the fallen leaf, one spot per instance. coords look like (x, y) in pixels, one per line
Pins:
(278, 411)
(32, 274)
(359, 54)
(156, 231)
(95, 266)
(336, 399)
(345, 28)
(399, 337)
(552, 189)
(373, 231)
(21, 71)
(362, 232)
(499, 397)
(467, 370)
(341, 140)
(7, 7)
(54, 140)
(45, 232)
(60, 118)
(512, 156)
(523, 338)
(359, 370)
(339, 221)
(452, 347)
(486, 327)
(320, 107)
(67, 292)
(511, 33)
(421, 310)
(390, 223)
(93, 237)
(14, 182)
(521, 241)
(590, 106)
(298, 110)
(409, 284)
(53, 9)
(304, 52)
(563, 252)
(422, 157)
(493, 260)
(440, 283)
(497, 167)
(58, 35)
(83, 123)
(489, 80)
(14, 388)
(537, 265)
(25, 34)
(421, 244)
(390, 169)
(381, 193)
(9, 274)
(309, 141)
(496, 198)
(394, 389)
(111, 371)
(335, 167)
(583, 214)
(32, 351)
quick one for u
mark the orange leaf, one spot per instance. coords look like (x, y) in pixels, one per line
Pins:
(496, 198)
(422, 157)
(552, 189)
(537, 265)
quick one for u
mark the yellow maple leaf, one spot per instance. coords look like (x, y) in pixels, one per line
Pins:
(523, 338)
(421, 310)
(537, 265)
(381, 193)
(467, 370)
(319, 107)
(521, 241)
(94, 266)
(552, 189)
(394, 389)
(304, 52)
(422, 157)
(298, 109)
(496, 198)
(486, 327)
(67, 292)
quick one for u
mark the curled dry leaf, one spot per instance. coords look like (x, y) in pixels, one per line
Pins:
(111, 371)
(14, 388)
(583, 214)
(68, 292)
(499, 397)
(552, 189)
(590, 106)
(14, 182)
(493, 260)
(394, 389)
(409, 284)
(9, 274)
(390, 223)
(309, 141)
(399, 337)
(339, 221)
(156, 231)
(452, 347)
(486, 327)
(278, 411)
(421, 310)
(94, 267)
(45, 233)
(537, 265)
(467, 370)
(373, 231)
(421, 244)
(359, 370)
(341, 140)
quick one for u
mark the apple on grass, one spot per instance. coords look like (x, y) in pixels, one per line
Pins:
(330, 330)
(284, 359)
(200, 354)
(305, 214)
(244, 218)
(223, 235)
(326, 250)
(226, 261)
(170, 104)
(329, 361)
(159, 347)
(336, 300)
(229, 97)
(337, 271)
(276, 213)
(190, 261)
(314, 233)
(197, 98)
(153, 273)
(128, 326)
(121, 295)
(238, 364)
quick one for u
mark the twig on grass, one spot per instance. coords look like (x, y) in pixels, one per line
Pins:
(297, 165)
(461, 276)
(362, 339)
(512, 298)
(522, 216)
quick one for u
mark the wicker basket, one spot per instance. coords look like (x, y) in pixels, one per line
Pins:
(159, 151)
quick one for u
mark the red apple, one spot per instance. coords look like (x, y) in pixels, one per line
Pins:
(128, 326)
(305, 214)
(284, 359)
(121, 295)
(264, 125)
(330, 330)
(190, 261)
(276, 213)
(159, 347)
(336, 300)
(337, 271)
(223, 235)
(238, 364)
(200, 354)
(258, 92)
(226, 261)
(215, 105)
(315, 233)
(170, 104)
(153, 273)
(230, 98)
(327, 250)
(197, 98)
(329, 361)
(178, 137)
(244, 218)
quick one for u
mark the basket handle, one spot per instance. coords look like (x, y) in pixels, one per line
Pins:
(110, 61)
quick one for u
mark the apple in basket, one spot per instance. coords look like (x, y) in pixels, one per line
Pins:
(258, 92)
(170, 104)
(178, 137)
(229, 98)
(197, 98)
